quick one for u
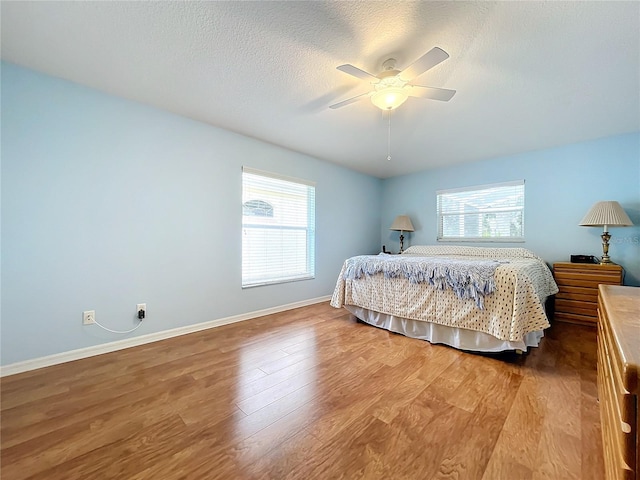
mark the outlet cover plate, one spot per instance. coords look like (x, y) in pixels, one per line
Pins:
(89, 317)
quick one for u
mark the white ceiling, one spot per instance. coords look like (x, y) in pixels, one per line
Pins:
(528, 75)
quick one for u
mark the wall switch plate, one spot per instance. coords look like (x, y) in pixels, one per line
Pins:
(89, 317)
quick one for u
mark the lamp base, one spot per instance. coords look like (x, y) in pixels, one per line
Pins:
(605, 248)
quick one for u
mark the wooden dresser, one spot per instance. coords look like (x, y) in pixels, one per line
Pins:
(577, 300)
(618, 379)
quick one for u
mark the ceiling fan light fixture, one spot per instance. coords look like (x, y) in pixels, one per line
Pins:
(389, 98)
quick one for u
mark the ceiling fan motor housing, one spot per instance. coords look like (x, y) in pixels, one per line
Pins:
(389, 64)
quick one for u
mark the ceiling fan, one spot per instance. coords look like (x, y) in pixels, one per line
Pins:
(392, 87)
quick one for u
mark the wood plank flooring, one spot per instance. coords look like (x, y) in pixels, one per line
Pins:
(308, 394)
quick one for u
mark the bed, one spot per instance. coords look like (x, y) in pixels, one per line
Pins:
(471, 298)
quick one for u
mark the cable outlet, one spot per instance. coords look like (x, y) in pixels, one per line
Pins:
(141, 309)
(89, 317)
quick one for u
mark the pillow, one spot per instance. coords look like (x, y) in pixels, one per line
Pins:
(492, 252)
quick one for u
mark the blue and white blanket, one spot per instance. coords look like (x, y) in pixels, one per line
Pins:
(468, 279)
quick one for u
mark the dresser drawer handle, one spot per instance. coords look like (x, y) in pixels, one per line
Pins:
(625, 427)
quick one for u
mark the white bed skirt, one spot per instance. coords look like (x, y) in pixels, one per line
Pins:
(460, 338)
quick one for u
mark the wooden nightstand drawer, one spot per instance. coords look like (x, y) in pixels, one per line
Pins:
(581, 294)
(577, 306)
(574, 318)
(577, 300)
(585, 279)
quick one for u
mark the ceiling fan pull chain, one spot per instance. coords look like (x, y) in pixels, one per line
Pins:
(389, 139)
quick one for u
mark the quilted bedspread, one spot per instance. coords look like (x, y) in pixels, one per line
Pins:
(522, 283)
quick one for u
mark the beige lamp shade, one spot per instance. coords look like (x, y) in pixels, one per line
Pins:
(402, 223)
(608, 213)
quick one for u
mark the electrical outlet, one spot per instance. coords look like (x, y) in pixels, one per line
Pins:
(141, 307)
(89, 317)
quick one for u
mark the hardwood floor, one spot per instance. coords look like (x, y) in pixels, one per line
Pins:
(308, 394)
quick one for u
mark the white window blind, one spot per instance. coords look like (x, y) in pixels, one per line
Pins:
(278, 228)
(485, 213)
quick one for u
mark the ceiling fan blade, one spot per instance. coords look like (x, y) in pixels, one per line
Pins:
(350, 100)
(356, 72)
(442, 94)
(429, 60)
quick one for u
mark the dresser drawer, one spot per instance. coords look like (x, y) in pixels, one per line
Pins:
(576, 306)
(585, 279)
(618, 344)
(581, 294)
(617, 409)
(577, 299)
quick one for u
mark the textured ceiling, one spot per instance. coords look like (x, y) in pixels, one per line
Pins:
(528, 75)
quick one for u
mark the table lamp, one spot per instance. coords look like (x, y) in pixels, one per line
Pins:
(402, 223)
(606, 214)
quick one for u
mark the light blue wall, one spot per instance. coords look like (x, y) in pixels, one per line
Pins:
(561, 184)
(107, 203)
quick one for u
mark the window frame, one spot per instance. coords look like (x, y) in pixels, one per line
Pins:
(478, 188)
(257, 223)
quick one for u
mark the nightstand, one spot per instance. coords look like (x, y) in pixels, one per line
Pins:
(577, 300)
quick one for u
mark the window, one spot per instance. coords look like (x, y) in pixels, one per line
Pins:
(278, 228)
(486, 213)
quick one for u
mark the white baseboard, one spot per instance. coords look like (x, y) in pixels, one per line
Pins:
(80, 353)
